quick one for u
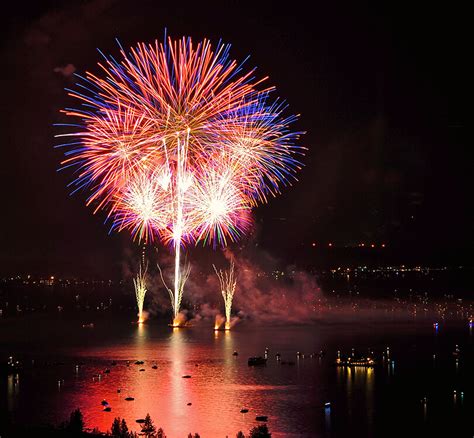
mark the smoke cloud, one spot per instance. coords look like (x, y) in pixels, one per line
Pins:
(264, 292)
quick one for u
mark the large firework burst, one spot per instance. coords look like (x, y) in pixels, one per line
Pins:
(177, 143)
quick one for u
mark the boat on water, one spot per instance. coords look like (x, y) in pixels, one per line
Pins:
(12, 367)
(257, 361)
(104, 402)
(129, 398)
(107, 409)
(362, 361)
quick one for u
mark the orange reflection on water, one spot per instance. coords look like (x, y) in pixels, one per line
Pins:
(164, 393)
(359, 382)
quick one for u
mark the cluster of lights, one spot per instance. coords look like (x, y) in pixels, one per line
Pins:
(360, 245)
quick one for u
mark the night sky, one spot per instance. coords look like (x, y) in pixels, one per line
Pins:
(380, 92)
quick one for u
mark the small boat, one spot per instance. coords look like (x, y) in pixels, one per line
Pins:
(90, 325)
(104, 402)
(140, 421)
(256, 361)
(129, 398)
(155, 367)
(187, 376)
(107, 409)
(142, 369)
(244, 411)
(235, 353)
(139, 362)
(278, 356)
(365, 362)
(118, 391)
(189, 404)
(261, 418)
(327, 405)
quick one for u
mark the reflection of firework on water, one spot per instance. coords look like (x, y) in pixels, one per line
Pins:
(176, 143)
(227, 282)
(140, 291)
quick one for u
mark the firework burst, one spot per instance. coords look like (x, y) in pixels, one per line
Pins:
(176, 143)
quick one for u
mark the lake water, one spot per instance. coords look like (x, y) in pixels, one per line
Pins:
(379, 402)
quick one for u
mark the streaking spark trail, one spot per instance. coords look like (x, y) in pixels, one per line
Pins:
(227, 282)
(140, 291)
(177, 143)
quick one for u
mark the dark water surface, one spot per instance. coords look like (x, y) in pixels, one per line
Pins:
(379, 402)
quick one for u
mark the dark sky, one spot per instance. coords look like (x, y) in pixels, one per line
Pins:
(380, 92)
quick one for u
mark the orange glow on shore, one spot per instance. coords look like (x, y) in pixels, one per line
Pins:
(178, 323)
(221, 324)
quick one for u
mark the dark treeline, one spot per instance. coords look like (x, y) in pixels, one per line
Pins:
(119, 429)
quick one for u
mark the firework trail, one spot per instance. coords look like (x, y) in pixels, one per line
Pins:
(140, 291)
(176, 143)
(176, 294)
(228, 282)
